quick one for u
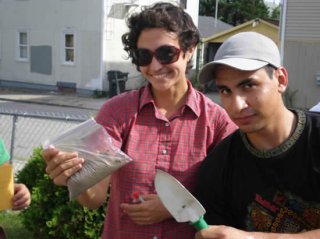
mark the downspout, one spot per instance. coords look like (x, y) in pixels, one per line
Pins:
(283, 28)
(102, 44)
(216, 14)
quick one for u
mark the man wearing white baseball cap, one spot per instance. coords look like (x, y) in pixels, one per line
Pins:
(242, 53)
(265, 177)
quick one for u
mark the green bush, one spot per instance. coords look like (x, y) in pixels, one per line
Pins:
(99, 94)
(51, 214)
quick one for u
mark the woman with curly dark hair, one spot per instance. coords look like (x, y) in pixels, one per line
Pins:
(165, 16)
(165, 125)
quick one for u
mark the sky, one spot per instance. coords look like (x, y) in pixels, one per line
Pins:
(275, 1)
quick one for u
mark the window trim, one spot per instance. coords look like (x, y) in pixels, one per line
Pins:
(64, 48)
(19, 45)
(183, 4)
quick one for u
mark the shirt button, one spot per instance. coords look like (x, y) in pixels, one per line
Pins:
(154, 237)
(164, 151)
(167, 124)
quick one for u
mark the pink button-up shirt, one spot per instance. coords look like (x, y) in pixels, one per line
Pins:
(176, 145)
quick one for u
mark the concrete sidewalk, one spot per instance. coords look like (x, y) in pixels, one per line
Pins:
(64, 99)
(52, 98)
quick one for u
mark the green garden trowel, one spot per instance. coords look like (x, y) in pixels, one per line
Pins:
(181, 204)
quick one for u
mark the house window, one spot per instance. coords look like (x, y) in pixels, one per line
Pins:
(68, 48)
(183, 4)
(23, 46)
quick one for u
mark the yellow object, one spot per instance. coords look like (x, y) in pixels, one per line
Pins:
(6, 187)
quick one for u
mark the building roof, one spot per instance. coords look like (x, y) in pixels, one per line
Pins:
(255, 25)
(207, 26)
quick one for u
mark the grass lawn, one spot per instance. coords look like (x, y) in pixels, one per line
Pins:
(13, 227)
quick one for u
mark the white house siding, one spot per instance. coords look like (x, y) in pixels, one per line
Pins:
(303, 18)
(98, 46)
(45, 21)
(302, 50)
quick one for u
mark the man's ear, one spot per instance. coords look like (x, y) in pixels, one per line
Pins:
(282, 76)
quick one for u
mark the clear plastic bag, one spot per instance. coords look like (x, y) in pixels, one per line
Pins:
(95, 146)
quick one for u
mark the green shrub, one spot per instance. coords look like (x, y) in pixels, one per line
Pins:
(11, 223)
(51, 214)
(99, 94)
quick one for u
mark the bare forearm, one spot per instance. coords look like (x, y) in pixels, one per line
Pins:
(95, 196)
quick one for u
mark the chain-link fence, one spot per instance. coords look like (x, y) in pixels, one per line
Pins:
(22, 133)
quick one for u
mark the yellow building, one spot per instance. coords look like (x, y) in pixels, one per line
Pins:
(256, 25)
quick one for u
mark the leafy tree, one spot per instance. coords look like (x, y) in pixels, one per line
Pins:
(235, 12)
(207, 7)
(275, 14)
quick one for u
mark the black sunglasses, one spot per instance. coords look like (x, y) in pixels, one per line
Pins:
(164, 54)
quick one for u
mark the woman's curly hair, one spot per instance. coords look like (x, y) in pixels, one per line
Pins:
(161, 15)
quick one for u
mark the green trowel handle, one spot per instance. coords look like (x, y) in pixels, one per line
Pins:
(200, 224)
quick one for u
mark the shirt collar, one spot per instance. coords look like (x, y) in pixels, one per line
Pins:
(191, 102)
(146, 97)
(193, 99)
